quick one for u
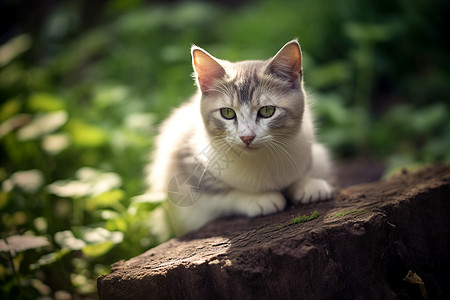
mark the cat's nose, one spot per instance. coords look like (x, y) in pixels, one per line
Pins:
(247, 139)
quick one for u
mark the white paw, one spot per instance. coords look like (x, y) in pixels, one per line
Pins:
(313, 190)
(265, 204)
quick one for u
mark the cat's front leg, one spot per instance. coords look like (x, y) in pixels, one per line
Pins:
(257, 204)
(234, 202)
(309, 190)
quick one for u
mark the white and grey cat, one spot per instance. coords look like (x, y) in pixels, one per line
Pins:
(242, 145)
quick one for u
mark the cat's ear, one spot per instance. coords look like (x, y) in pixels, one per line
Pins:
(287, 63)
(207, 69)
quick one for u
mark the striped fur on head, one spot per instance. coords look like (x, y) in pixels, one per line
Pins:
(247, 86)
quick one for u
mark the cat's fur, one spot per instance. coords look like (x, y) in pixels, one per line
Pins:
(246, 165)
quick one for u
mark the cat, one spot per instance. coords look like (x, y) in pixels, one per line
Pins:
(242, 145)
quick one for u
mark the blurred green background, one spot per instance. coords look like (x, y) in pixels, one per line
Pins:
(83, 85)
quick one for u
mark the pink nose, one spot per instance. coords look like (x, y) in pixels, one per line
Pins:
(247, 139)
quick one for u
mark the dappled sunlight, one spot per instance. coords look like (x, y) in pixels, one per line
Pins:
(14, 48)
(55, 143)
(88, 182)
(140, 121)
(42, 124)
(66, 239)
(29, 181)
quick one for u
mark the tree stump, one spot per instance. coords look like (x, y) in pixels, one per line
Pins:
(361, 246)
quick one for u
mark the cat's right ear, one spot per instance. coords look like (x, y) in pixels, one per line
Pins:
(287, 63)
(207, 69)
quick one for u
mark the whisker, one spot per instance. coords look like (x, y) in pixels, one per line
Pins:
(273, 153)
(283, 150)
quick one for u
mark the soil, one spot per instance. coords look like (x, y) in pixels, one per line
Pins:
(361, 246)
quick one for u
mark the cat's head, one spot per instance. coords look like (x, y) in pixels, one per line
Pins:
(249, 103)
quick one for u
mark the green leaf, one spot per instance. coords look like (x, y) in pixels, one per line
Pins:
(49, 259)
(10, 108)
(98, 240)
(116, 223)
(91, 241)
(86, 135)
(106, 199)
(428, 119)
(107, 95)
(99, 249)
(98, 235)
(147, 202)
(332, 73)
(45, 102)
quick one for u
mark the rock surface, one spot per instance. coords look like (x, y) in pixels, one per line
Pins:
(361, 246)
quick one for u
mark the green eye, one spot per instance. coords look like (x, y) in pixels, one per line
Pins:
(266, 111)
(227, 113)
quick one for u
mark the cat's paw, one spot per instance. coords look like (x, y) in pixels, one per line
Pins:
(265, 204)
(313, 190)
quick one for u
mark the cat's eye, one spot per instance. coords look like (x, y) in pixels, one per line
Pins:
(227, 113)
(266, 111)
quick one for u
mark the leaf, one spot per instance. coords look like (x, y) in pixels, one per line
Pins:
(89, 182)
(428, 119)
(147, 202)
(331, 107)
(16, 121)
(139, 121)
(116, 223)
(86, 135)
(67, 240)
(4, 198)
(30, 181)
(14, 47)
(332, 73)
(98, 235)
(55, 143)
(95, 241)
(99, 249)
(106, 199)
(91, 241)
(49, 259)
(9, 109)
(20, 243)
(70, 188)
(45, 102)
(107, 95)
(42, 124)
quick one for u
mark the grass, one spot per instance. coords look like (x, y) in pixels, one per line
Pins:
(304, 218)
(356, 212)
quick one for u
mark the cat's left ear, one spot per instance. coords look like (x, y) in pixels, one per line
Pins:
(207, 69)
(287, 64)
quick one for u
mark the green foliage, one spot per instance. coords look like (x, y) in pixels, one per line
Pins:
(79, 108)
(304, 218)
